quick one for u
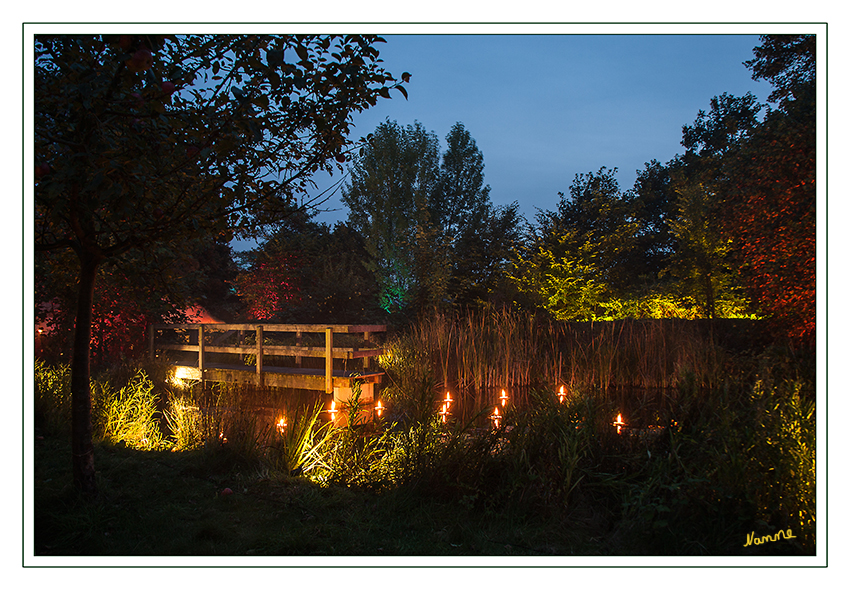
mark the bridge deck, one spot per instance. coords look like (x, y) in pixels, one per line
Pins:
(286, 377)
(201, 340)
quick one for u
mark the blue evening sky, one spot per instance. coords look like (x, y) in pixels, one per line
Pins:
(543, 108)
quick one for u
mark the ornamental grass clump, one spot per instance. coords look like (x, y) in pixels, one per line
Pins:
(185, 422)
(295, 449)
(129, 415)
(351, 457)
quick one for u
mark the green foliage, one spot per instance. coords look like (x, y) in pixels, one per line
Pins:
(784, 447)
(741, 456)
(129, 415)
(185, 422)
(433, 237)
(563, 281)
(550, 446)
(700, 262)
(351, 455)
(296, 448)
(52, 397)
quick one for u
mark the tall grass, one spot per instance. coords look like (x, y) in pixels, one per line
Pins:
(478, 354)
(185, 421)
(296, 449)
(52, 403)
(129, 415)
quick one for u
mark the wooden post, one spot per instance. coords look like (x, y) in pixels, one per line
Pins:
(259, 354)
(366, 358)
(201, 350)
(298, 342)
(329, 360)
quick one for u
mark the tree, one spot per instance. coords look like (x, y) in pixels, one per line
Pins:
(389, 197)
(434, 237)
(787, 62)
(558, 272)
(771, 212)
(653, 204)
(763, 175)
(322, 280)
(461, 201)
(146, 142)
(573, 265)
(482, 254)
(728, 123)
(700, 257)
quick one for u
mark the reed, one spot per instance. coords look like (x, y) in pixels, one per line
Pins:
(477, 355)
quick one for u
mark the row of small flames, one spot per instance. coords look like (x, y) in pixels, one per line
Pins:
(445, 411)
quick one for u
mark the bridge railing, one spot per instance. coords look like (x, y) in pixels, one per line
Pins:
(206, 344)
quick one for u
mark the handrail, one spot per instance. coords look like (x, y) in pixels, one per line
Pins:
(260, 350)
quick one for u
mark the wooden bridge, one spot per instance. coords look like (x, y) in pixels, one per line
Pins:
(238, 353)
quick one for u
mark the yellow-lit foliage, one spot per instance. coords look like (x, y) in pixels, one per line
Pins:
(128, 416)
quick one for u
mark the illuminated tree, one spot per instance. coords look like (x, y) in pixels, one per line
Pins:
(577, 254)
(700, 260)
(559, 274)
(268, 286)
(145, 142)
(764, 179)
(389, 198)
(772, 212)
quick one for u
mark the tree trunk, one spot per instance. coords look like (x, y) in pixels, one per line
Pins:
(81, 425)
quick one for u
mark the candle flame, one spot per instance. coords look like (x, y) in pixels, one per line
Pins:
(495, 417)
(619, 423)
(379, 408)
(281, 424)
(333, 411)
(504, 398)
(443, 412)
(561, 394)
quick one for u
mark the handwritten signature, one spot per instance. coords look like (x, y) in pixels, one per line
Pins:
(753, 540)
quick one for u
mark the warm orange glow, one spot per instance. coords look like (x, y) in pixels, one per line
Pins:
(281, 424)
(222, 438)
(444, 412)
(619, 423)
(333, 411)
(561, 395)
(503, 398)
(379, 409)
(495, 417)
(449, 399)
(182, 375)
